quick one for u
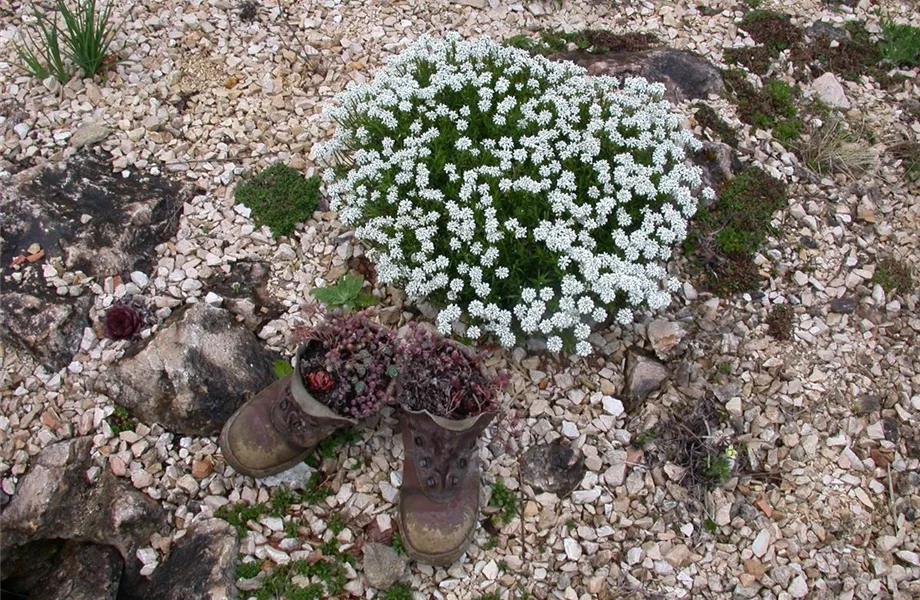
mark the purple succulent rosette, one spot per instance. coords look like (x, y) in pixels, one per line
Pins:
(123, 321)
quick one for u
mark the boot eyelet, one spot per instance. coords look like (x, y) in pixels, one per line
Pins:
(431, 482)
(419, 441)
(454, 480)
(462, 464)
(424, 463)
(284, 405)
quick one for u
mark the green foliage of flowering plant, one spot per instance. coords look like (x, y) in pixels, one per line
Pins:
(517, 194)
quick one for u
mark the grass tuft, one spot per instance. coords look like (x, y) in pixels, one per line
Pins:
(834, 147)
(81, 37)
(280, 197)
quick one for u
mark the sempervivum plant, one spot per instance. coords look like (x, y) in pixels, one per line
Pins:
(517, 194)
(123, 321)
(351, 363)
(443, 377)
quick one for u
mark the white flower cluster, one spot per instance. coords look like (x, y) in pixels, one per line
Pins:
(521, 194)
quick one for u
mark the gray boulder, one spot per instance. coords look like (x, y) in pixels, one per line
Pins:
(383, 566)
(644, 374)
(555, 467)
(74, 216)
(55, 500)
(202, 566)
(685, 74)
(193, 373)
(55, 569)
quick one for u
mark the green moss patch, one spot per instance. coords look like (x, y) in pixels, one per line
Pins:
(773, 30)
(728, 234)
(893, 275)
(280, 197)
(769, 107)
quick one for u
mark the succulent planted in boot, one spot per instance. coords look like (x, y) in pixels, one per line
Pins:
(123, 321)
(447, 400)
(443, 377)
(350, 364)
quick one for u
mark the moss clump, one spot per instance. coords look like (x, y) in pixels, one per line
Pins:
(893, 274)
(771, 107)
(779, 322)
(851, 58)
(757, 59)
(280, 197)
(730, 232)
(772, 29)
(709, 119)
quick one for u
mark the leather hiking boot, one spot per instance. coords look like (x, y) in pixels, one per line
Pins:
(278, 427)
(439, 497)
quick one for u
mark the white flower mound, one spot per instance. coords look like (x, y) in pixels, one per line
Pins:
(522, 195)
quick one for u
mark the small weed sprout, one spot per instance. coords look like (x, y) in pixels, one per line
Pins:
(397, 544)
(346, 293)
(900, 44)
(121, 420)
(506, 501)
(248, 570)
(399, 591)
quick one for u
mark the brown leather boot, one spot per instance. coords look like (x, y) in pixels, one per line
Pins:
(278, 427)
(439, 497)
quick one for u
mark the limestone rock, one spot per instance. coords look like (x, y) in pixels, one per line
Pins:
(828, 88)
(664, 336)
(194, 373)
(83, 218)
(202, 565)
(88, 134)
(644, 374)
(555, 467)
(685, 74)
(383, 566)
(245, 293)
(55, 500)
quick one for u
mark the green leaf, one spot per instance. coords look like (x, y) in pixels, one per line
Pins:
(346, 292)
(282, 368)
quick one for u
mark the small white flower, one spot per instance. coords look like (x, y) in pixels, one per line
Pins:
(554, 343)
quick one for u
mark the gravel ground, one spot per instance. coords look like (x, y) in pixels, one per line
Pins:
(826, 503)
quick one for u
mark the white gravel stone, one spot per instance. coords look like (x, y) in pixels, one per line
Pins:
(761, 543)
(573, 549)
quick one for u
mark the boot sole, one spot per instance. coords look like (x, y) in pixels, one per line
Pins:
(256, 473)
(440, 559)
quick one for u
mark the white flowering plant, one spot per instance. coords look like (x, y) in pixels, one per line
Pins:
(520, 196)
